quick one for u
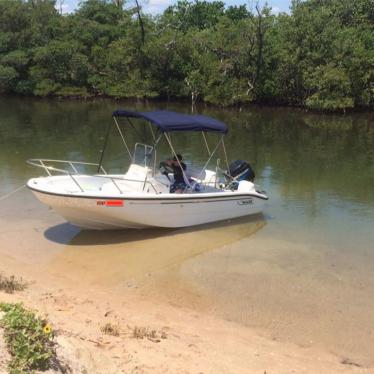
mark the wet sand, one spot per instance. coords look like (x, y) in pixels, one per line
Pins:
(235, 296)
(293, 292)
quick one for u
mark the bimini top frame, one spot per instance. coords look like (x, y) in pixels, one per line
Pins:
(167, 121)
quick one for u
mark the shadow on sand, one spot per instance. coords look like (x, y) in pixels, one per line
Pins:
(116, 257)
(68, 234)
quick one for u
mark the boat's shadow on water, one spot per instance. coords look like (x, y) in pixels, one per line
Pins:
(68, 234)
(117, 257)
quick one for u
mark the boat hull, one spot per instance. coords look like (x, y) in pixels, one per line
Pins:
(103, 213)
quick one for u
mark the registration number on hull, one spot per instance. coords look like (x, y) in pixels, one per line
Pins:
(248, 201)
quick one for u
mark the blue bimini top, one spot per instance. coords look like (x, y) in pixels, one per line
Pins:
(167, 121)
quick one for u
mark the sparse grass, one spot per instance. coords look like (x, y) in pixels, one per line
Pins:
(145, 332)
(11, 284)
(110, 329)
(28, 338)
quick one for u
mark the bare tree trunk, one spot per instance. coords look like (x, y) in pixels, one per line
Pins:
(260, 42)
(61, 3)
(140, 21)
(257, 43)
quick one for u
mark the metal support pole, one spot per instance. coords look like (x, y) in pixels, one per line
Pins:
(227, 161)
(176, 157)
(134, 128)
(154, 163)
(153, 134)
(154, 151)
(206, 143)
(105, 144)
(217, 167)
(76, 182)
(123, 138)
(45, 168)
(210, 157)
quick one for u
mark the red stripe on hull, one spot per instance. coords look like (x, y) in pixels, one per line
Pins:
(114, 203)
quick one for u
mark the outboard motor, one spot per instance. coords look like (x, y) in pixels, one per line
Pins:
(241, 170)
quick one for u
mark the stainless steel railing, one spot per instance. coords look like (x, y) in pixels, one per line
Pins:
(40, 162)
(73, 173)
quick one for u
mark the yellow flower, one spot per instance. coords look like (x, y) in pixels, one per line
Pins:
(47, 329)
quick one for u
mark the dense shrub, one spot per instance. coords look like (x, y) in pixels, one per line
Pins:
(321, 55)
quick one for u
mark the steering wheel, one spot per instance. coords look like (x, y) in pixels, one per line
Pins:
(165, 169)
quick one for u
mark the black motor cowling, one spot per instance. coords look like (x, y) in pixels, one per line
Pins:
(241, 170)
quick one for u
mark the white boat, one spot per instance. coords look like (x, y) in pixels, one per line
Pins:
(142, 197)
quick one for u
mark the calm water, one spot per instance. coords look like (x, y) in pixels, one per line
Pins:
(304, 272)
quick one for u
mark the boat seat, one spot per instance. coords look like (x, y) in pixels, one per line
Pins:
(138, 172)
(195, 173)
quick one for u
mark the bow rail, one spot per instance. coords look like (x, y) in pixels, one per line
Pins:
(42, 163)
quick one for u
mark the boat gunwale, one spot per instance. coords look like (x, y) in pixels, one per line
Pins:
(170, 196)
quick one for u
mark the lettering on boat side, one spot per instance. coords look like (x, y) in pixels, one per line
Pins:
(111, 203)
(245, 202)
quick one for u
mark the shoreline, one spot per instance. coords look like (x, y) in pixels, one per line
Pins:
(194, 342)
(197, 105)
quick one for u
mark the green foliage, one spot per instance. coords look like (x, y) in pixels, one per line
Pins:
(320, 56)
(46, 87)
(236, 13)
(8, 77)
(198, 14)
(72, 92)
(17, 59)
(332, 89)
(29, 339)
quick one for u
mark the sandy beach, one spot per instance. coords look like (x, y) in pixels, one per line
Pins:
(194, 342)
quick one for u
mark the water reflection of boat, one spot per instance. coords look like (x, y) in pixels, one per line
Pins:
(100, 257)
(143, 197)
